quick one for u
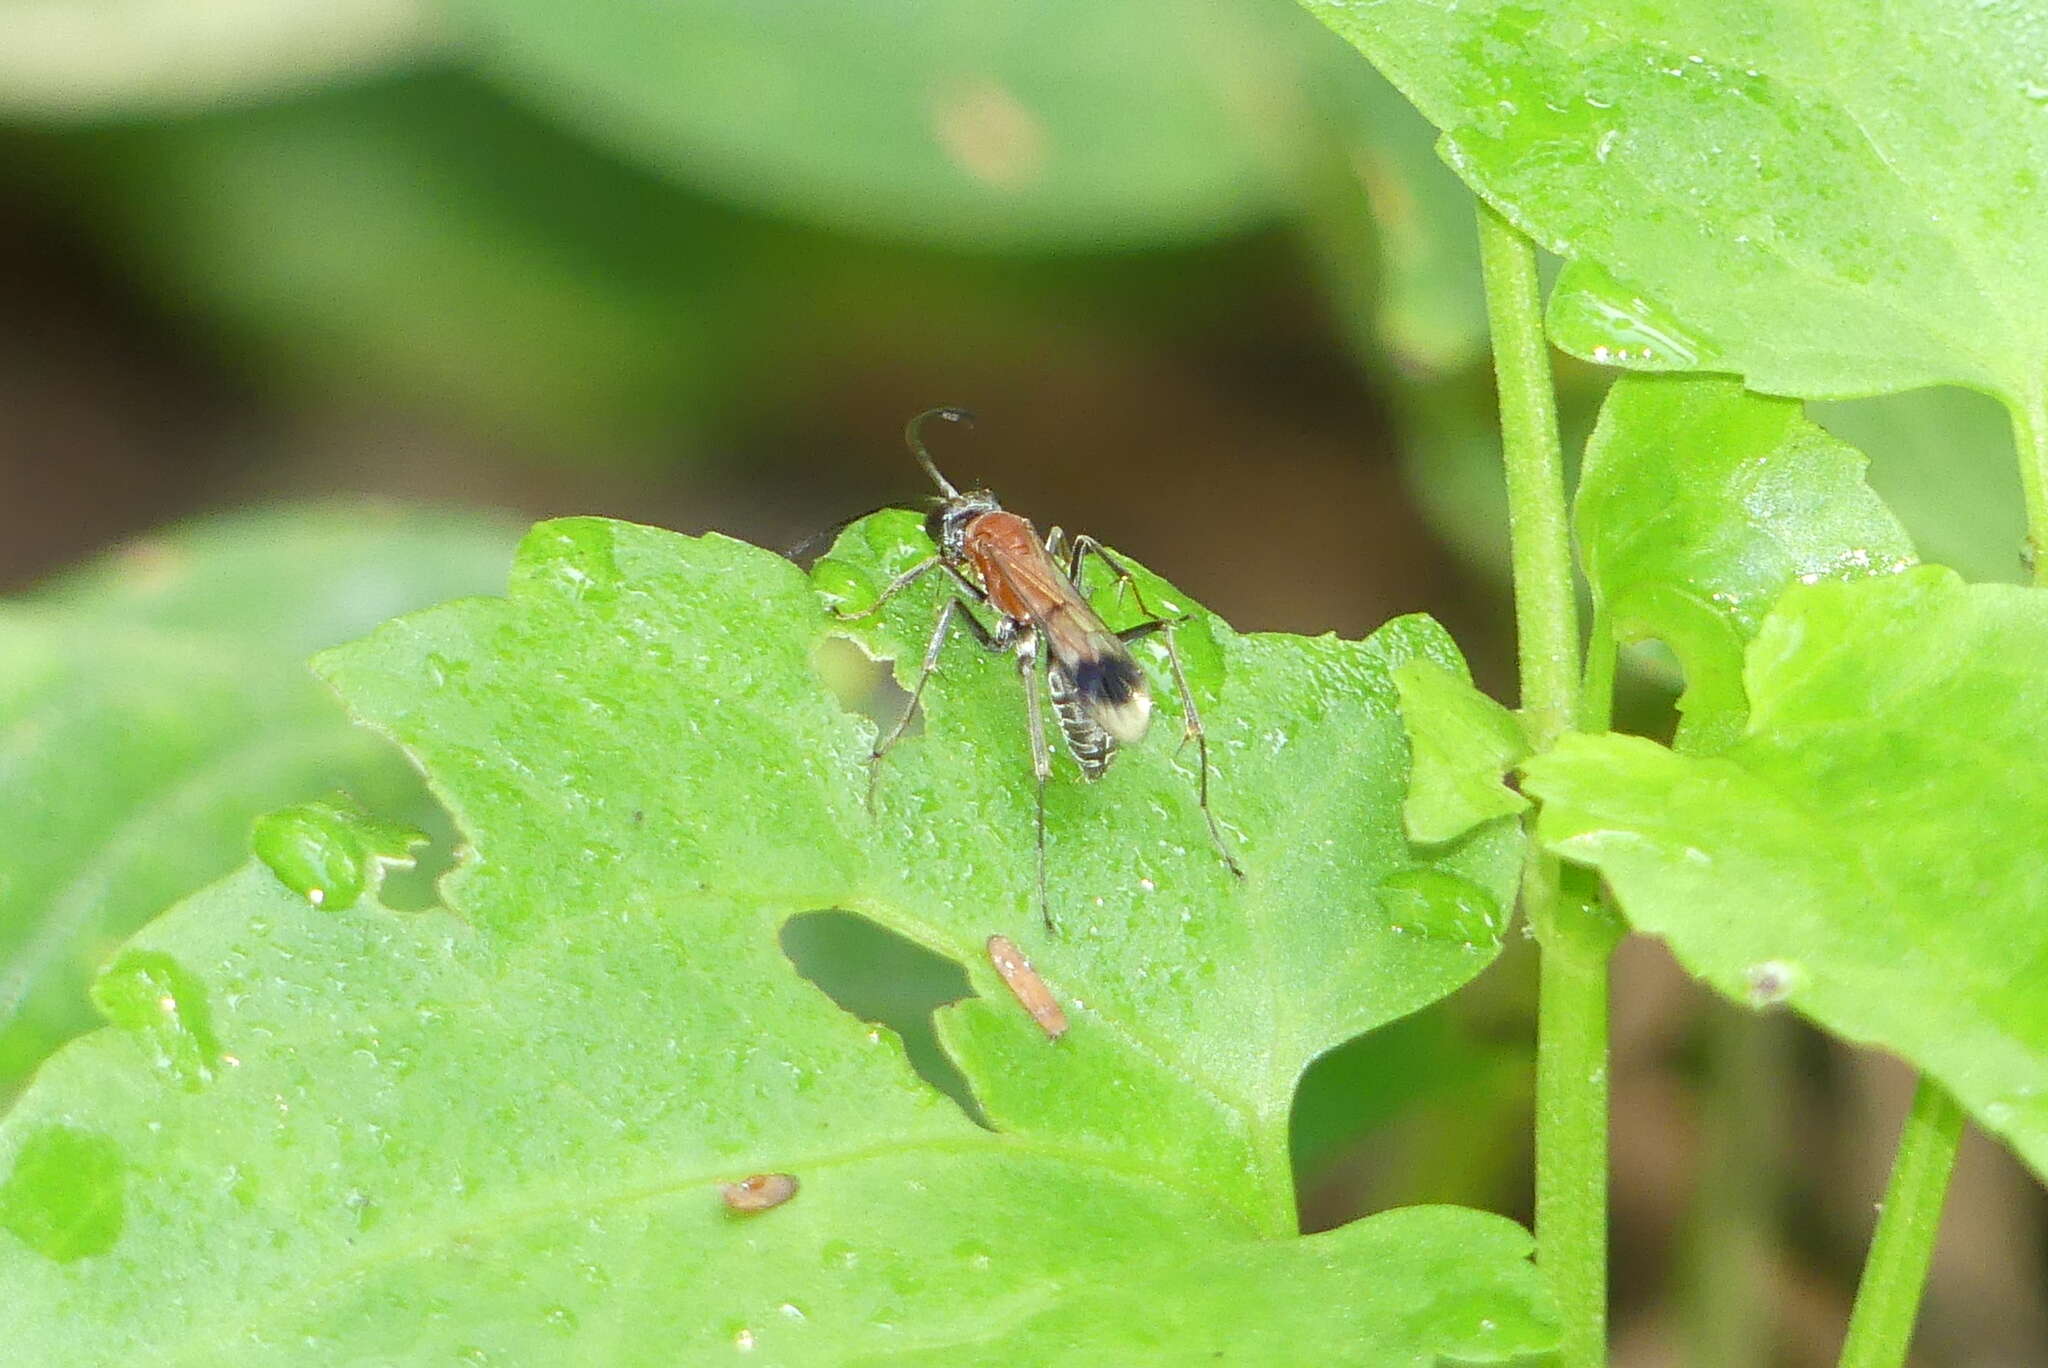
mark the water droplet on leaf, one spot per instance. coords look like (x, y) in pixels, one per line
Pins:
(151, 996)
(1441, 906)
(1598, 317)
(330, 852)
(576, 557)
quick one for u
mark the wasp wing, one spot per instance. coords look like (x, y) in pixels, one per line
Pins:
(1106, 681)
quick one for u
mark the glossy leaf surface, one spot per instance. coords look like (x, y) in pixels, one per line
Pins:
(1830, 201)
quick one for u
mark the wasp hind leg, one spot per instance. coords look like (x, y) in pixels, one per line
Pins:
(1191, 716)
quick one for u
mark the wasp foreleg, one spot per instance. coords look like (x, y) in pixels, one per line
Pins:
(891, 590)
(954, 606)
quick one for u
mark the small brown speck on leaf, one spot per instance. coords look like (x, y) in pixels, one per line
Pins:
(759, 1192)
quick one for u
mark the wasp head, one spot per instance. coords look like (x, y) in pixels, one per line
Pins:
(947, 523)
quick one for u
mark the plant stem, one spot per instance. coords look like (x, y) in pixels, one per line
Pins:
(1888, 1298)
(1729, 1239)
(1539, 533)
(2030, 437)
(1571, 1027)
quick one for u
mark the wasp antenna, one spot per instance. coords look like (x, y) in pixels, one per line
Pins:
(915, 441)
(827, 533)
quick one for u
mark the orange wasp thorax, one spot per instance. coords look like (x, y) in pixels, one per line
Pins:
(1001, 544)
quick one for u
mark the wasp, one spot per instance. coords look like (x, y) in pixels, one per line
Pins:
(998, 563)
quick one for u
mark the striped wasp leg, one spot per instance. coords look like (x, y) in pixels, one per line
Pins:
(1078, 550)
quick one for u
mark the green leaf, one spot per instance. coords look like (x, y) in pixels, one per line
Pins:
(153, 704)
(348, 1134)
(1867, 851)
(1463, 744)
(1698, 504)
(969, 123)
(1837, 200)
(93, 58)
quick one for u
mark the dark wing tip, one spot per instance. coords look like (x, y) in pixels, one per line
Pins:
(1110, 679)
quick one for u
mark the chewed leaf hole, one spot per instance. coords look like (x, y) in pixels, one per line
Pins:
(878, 976)
(864, 686)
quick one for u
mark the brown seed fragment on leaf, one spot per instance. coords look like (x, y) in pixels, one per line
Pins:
(760, 1192)
(1030, 989)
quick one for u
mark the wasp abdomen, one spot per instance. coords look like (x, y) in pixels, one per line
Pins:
(1091, 746)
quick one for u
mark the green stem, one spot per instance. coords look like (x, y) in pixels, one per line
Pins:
(1571, 1028)
(1888, 1298)
(2030, 437)
(1539, 532)
(1731, 1228)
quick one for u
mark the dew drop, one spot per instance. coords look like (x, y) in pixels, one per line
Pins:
(331, 852)
(163, 1007)
(63, 1198)
(1441, 906)
(1596, 315)
(576, 557)
(560, 1319)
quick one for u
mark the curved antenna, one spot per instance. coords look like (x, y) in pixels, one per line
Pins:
(915, 442)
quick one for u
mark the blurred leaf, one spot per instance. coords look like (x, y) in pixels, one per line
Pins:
(1942, 459)
(1463, 744)
(422, 239)
(1392, 228)
(1868, 850)
(153, 704)
(1698, 504)
(93, 58)
(1428, 1056)
(330, 1135)
(1836, 200)
(984, 124)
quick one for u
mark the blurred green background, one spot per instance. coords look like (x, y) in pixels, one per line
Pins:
(693, 263)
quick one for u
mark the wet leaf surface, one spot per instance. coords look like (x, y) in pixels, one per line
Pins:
(504, 1130)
